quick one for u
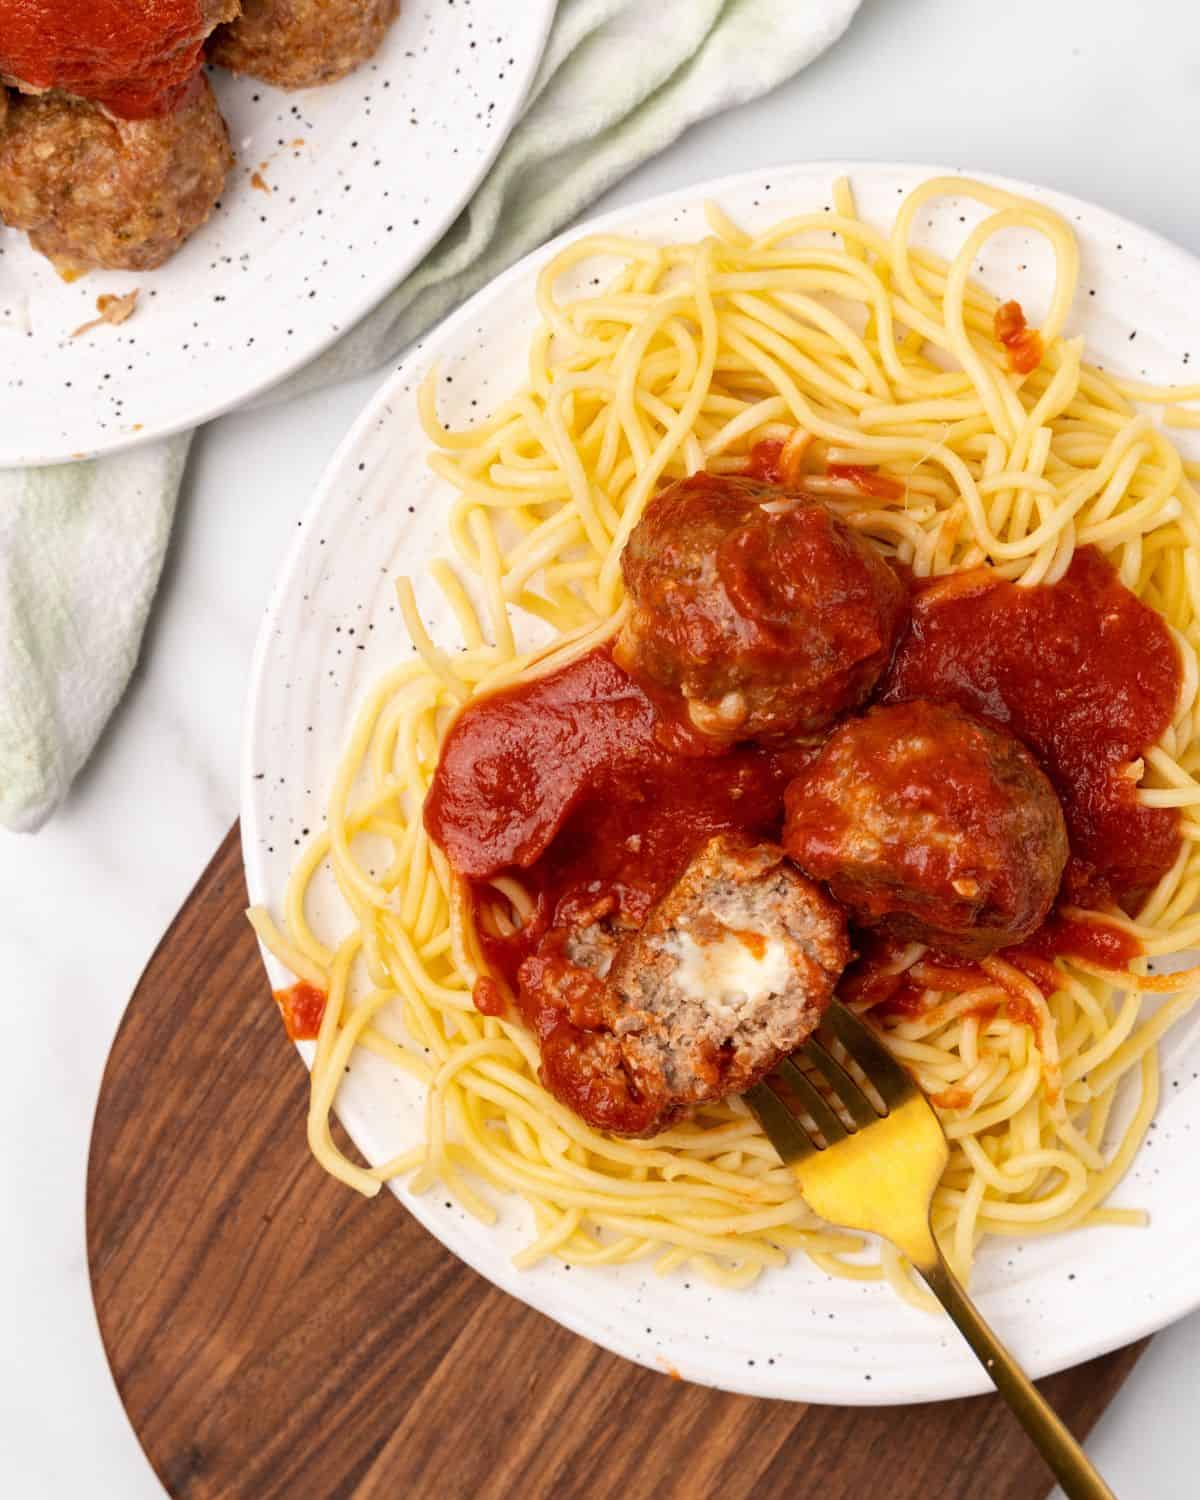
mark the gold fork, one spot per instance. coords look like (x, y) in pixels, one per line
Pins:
(878, 1173)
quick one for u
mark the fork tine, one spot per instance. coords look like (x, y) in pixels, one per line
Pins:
(849, 1093)
(893, 1083)
(785, 1131)
(809, 1098)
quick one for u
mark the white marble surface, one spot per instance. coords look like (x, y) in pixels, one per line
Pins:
(1033, 88)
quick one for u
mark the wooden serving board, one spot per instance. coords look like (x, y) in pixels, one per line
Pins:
(274, 1335)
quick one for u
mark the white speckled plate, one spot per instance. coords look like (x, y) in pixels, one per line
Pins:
(332, 628)
(352, 184)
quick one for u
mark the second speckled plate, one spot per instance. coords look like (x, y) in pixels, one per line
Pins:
(337, 194)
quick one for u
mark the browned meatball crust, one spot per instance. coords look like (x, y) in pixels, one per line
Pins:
(298, 43)
(932, 826)
(756, 607)
(217, 12)
(120, 194)
(731, 971)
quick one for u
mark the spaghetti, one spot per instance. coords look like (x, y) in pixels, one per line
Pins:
(882, 379)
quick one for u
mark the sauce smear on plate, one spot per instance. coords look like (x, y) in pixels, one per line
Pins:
(301, 1005)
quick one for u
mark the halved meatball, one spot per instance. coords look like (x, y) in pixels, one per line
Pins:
(756, 607)
(731, 971)
(299, 43)
(121, 194)
(932, 826)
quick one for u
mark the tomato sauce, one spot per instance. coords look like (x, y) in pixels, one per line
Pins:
(873, 980)
(574, 783)
(952, 1098)
(1016, 1007)
(138, 60)
(488, 997)
(302, 1006)
(516, 763)
(875, 972)
(594, 794)
(953, 976)
(869, 481)
(949, 972)
(905, 998)
(1034, 966)
(1098, 942)
(766, 463)
(1081, 671)
(1024, 344)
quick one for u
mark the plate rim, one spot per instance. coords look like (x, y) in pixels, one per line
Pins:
(955, 1381)
(365, 303)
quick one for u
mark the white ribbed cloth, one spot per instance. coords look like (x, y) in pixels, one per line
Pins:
(81, 546)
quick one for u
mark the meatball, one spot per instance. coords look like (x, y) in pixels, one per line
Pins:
(298, 43)
(137, 60)
(730, 972)
(931, 826)
(755, 605)
(121, 194)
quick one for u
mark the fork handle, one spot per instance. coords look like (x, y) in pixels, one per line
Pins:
(1070, 1464)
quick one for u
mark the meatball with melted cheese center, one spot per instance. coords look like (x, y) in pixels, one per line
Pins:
(932, 826)
(755, 609)
(731, 971)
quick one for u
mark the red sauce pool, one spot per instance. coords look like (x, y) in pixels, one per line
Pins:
(573, 781)
(301, 1005)
(1098, 942)
(1081, 671)
(138, 59)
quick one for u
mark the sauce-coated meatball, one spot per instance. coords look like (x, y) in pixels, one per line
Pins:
(298, 43)
(932, 826)
(731, 971)
(138, 60)
(756, 606)
(122, 194)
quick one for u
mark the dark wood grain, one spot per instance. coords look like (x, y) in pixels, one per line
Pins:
(273, 1335)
